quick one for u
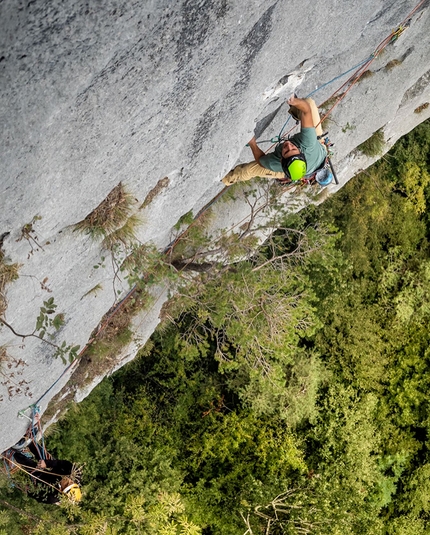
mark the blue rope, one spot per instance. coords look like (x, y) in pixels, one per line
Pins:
(53, 384)
(35, 409)
(340, 75)
(277, 139)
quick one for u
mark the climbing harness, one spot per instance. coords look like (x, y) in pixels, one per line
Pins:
(323, 175)
(34, 437)
(12, 467)
(34, 433)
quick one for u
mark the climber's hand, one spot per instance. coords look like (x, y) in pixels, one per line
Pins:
(292, 101)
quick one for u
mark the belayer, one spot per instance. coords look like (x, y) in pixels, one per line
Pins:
(49, 479)
(293, 159)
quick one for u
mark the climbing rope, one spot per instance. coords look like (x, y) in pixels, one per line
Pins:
(9, 460)
(35, 430)
(34, 433)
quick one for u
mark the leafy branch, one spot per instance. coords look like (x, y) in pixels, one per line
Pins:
(46, 329)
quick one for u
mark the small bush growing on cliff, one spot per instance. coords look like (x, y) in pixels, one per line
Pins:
(124, 235)
(10, 371)
(8, 273)
(111, 216)
(374, 145)
(422, 107)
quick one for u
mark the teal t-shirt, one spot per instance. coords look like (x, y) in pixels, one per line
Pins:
(307, 142)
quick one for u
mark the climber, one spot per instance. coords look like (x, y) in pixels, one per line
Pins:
(293, 159)
(49, 478)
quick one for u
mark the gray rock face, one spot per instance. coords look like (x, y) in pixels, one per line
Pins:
(162, 93)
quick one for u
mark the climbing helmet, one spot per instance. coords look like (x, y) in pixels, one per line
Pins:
(71, 490)
(294, 167)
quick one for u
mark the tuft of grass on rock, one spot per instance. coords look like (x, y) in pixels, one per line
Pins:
(125, 234)
(422, 107)
(393, 63)
(348, 127)
(363, 76)
(111, 214)
(373, 146)
(8, 273)
(330, 102)
(156, 190)
(185, 219)
(94, 291)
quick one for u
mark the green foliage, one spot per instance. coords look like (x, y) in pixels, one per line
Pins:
(256, 318)
(124, 235)
(415, 181)
(44, 325)
(348, 127)
(408, 167)
(44, 322)
(185, 219)
(193, 240)
(145, 265)
(374, 145)
(241, 461)
(376, 223)
(108, 347)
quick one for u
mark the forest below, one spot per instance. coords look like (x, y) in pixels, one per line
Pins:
(285, 394)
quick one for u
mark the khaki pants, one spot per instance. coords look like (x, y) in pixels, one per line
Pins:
(246, 171)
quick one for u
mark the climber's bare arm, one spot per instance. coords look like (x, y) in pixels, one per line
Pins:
(306, 112)
(256, 151)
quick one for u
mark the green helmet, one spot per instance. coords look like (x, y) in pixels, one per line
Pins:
(294, 167)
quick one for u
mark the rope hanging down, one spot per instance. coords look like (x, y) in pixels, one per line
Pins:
(9, 461)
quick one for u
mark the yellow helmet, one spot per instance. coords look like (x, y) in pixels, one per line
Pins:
(73, 492)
